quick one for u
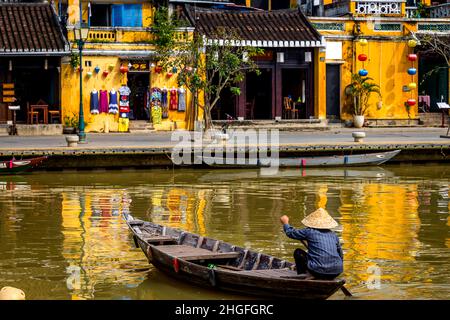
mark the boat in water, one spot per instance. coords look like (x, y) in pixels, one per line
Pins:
(14, 166)
(365, 159)
(216, 264)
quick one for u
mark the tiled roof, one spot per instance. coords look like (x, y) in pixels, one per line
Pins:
(30, 28)
(280, 28)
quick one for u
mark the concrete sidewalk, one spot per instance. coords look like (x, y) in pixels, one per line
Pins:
(156, 140)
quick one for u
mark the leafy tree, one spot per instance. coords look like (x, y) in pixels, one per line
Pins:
(204, 66)
(434, 45)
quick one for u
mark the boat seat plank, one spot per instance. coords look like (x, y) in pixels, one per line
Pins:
(191, 254)
(158, 239)
(274, 273)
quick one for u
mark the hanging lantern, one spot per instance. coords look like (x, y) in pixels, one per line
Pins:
(412, 85)
(411, 102)
(188, 69)
(412, 71)
(412, 57)
(129, 65)
(111, 67)
(89, 74)
(412, 43)
(105, 73)
(174, 70)
(123, 69)
(152, 65)
(363, 72)
(362, 57)
(169, 74)
(158, 69)
(97, 69)
(363, 42)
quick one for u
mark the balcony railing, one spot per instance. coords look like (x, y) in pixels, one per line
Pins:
(440, 11)
(378, 7)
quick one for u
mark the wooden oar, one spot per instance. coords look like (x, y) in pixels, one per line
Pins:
(343, 288)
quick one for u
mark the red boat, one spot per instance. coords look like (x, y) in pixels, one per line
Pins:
(17, 166)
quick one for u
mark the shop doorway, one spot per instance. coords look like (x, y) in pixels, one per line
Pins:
(225, 107)
(333, 72)
(294, 82)
(139, 85)
(258, 103)
(433, 84)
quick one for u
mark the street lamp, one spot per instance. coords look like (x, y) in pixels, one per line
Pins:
(81, 35)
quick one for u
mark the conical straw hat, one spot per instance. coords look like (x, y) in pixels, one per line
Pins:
(10, 293)
(320, 219)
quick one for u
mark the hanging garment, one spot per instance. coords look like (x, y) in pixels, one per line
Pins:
(113, 106)
(164, 104)
(103, 101)
(173, 104)
(181, 100)
(94, 102)
(124, 102)
(156, 110)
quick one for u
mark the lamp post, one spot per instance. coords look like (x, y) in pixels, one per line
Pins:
(81, 35)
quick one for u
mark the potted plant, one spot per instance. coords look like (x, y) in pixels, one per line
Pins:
(70, 124)
(360, 90)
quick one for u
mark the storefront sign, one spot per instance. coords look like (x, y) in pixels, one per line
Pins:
(139, 66)
(8, 92)
(8, 99)
(266, 56)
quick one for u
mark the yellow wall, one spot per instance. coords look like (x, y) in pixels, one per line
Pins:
(387, 64)
(320, 107)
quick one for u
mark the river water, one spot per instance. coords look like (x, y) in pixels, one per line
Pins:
(62, 235)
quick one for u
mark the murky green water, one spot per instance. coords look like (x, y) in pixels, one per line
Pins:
(62, 235)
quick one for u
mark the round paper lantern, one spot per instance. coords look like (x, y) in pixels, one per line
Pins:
(158, 69)
(174, 70)
(362, 57)
(89, 74)
(412, 85)
(105, 73)
(169, 74)
(411, 102)
(412, 57)
(123, 69)
(97, 69)
(363, 72)
(412, 43)
(363, 42)
(412, 71)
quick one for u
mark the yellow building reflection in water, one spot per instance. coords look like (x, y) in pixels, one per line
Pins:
(95, 244)
(380, 227)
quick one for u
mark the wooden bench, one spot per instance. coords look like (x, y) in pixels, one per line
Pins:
(189, 253)
(159, 239)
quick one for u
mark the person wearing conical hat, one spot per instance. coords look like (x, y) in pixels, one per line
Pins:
(11, 293)
(324, 259)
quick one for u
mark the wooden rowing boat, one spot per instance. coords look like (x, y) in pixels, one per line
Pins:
(364, 159)
(17, 166)
(217, 264)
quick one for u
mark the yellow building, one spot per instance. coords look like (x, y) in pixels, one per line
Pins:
(303, 76)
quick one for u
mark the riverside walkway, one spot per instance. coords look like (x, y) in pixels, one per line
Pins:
(149, 149)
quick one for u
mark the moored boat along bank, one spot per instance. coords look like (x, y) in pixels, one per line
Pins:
(155, 149)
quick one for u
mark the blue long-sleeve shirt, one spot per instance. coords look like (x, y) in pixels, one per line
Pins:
(324, 250)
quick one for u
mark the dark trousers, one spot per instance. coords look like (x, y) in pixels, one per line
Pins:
(301, 262)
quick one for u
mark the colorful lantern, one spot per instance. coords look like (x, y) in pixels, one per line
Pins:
(123, 69)
(363, 42)
(411, 102)
(412, 43)
(412, 85)
(174, 70)
(412, 71)
(158, 69)
(89, 74)
(111, 66)
(362, 57)
(412, 57)
(363, 72)
(169, 74)
(97, 69)
(105, 73)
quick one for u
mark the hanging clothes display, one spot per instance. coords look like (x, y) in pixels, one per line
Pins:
(94, 102)
(156, 106)
(113, 106)
(181, 100)
(164, 103)
(103, 101)
(173, 105)
(124, 101)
